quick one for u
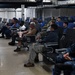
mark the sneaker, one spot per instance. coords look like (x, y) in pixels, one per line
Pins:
(17, 50)
(29, 65)
(2, 37)
(11, 43)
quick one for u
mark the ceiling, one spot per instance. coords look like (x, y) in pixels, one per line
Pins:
(34, 3)
(18, 4)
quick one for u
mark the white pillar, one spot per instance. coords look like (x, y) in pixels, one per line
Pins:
(15, 12)
(22, 13)
(6, 16)
(55, 2)
(43, 14)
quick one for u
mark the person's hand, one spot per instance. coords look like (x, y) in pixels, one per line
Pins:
(38, 37)
(67, 57)
(20, 34)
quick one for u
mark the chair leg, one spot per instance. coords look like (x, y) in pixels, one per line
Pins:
(36, 59)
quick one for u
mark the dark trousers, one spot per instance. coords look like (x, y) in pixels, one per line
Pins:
(14, 36)
(57, 71)
(3, 30)
(6, 31)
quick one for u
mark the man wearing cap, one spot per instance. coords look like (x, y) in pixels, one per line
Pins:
(32, 31)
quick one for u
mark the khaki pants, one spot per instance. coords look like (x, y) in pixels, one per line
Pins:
(35, 48)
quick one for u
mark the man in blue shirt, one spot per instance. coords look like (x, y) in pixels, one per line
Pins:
(65, 27)
(51, 36)
(59, 22)
(15, 23)
(6, 30)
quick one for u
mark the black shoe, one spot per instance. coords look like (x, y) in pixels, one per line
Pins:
(17, 50)
(11, 43)
(29, 65)
(36, 60)
(2, 37)
(7, 37)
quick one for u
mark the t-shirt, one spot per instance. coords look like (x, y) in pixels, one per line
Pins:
(22, 27)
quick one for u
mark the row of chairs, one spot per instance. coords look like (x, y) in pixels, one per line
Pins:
(67, 41)
(49, 56)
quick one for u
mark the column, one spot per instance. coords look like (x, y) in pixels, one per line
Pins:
(22, 12)
(43, 14)
(15, 12)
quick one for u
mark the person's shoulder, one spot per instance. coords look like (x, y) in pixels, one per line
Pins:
(51, 32)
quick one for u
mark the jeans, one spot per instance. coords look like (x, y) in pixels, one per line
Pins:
(34, 49)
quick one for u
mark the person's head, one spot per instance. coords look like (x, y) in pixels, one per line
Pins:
(53, 18)
(14, 20)
(22, 23)
(58, 19)
(32, 25)
(65, 24)
(40, 20)
(52, 22)
(53, 27)
(35, 20)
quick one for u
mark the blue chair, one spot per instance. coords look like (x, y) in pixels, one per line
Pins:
(70, 25)
(60, 24)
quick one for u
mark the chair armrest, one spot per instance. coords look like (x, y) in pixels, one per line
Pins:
(43, 29)
(30, 35)
(14, 28)
(50, 44)
(31, 38)
(62, 50)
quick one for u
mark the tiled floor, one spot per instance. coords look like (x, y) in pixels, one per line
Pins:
(12, 63)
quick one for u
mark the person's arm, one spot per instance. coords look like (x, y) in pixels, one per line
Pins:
(25, 32)
(32, 32)
(48, 38)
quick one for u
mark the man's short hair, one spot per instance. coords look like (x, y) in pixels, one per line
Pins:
(59, 17)
(66, 23)
(22, 23)
(54, 26)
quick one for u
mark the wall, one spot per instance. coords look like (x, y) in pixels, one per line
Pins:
(30, 12)
(10, 13)
(47, 12)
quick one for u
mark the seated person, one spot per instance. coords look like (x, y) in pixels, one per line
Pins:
(50, 23)
(52, 36)
(32, 31)
(62, 40)
(21, 28)
(43, 33)
(65, 26)
(67, 59)
(6, 30)
(59, 22)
